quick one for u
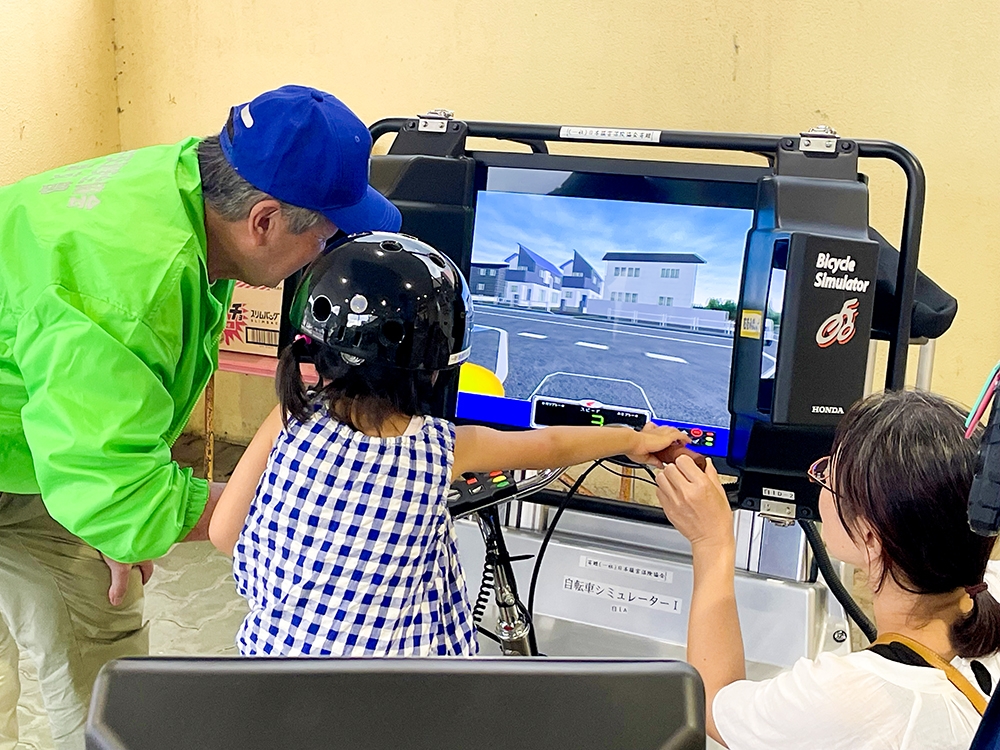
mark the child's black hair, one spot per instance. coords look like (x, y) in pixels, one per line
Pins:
(358, 395)
(903, 464)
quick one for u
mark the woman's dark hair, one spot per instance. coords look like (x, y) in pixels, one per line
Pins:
(358, 395)
(902, 463)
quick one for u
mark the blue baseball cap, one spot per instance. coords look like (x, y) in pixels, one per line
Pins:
(306, 148)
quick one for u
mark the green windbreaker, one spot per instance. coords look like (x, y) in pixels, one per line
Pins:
(109, 331)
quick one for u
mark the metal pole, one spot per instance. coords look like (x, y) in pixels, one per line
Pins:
(210, 429)
(870, 367)
(925, 364)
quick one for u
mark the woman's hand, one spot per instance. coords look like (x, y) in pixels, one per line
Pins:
(695, 503)
(654, 439)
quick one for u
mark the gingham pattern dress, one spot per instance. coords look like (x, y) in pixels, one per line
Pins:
(349, 549)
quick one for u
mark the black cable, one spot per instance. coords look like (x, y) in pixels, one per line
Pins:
(483, 598)
(548, 536)
(485, 589)
(488, 634)
(626, 476)
(834, 583)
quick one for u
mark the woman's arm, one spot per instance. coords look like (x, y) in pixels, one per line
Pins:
(696, 504)
(483, 449)
(231, 512)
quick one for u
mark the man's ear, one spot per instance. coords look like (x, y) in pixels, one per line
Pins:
(263, 220)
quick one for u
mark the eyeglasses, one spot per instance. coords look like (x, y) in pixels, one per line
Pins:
(819, 473)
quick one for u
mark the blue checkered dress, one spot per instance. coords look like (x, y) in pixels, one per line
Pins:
(349, 550)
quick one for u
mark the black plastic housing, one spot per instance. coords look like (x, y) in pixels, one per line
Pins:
(385, 704)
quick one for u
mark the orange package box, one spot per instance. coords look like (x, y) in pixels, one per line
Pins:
(253, 322)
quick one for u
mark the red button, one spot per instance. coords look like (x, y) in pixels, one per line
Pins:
(472, 481)
(696, 433)
(495, 473)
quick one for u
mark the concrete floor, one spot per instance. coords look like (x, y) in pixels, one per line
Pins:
(191, 603)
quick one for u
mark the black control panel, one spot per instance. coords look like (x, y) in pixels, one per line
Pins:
(475, 491)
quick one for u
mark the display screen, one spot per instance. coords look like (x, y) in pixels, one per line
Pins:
(546, 412)
(625, 301)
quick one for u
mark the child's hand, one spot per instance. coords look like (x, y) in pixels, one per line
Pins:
(695, 503)
(653, 440)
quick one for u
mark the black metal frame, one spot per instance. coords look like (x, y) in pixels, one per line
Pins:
(536, 136)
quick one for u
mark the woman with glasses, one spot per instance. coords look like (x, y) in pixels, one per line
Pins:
(893, 500)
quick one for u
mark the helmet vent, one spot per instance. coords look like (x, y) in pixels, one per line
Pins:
(390, 246)
(393, 332)
(321, 309)
(438, 260)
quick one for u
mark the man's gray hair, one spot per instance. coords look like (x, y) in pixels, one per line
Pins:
(232, 197)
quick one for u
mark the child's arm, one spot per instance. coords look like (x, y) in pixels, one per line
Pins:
(234, 505)
(483, 449)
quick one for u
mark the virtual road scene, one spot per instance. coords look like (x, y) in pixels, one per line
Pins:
(628, 304)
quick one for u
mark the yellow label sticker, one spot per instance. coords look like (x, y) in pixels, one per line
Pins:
(752, 324)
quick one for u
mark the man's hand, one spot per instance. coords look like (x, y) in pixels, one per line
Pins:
(200, 531)
(119, 577)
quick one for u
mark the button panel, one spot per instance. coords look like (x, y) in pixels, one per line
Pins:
(700, 437)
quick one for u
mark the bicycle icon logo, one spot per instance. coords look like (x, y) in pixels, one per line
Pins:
(839, 328)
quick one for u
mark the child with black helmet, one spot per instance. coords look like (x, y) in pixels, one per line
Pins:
(336, 514)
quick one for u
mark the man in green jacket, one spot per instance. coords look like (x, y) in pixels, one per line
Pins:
(115, 278)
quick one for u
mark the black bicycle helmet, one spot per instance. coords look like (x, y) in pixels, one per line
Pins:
(386, 297)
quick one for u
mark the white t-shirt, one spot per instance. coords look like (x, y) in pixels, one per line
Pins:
(861, 701)
(853, 702)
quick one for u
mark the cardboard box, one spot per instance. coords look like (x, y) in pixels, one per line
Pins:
(253, 323)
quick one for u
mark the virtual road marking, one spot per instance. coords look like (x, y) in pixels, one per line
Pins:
(617, 331)
(589, 345)
(532, 335)
(666, 358)
(769, 373)
(503, 360)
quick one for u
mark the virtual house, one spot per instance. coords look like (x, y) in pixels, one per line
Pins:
(526, 279)
(486, 281)
(580, 282)
(531, 280)
(655, 288)
(662, 279)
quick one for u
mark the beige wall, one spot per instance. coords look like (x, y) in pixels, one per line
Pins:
(923, 73)
(58, 95)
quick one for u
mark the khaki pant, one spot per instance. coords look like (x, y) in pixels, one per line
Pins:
(54, 606)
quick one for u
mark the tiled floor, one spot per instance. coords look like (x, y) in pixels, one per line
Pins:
(191, 604)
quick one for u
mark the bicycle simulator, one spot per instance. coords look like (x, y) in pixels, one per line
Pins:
(734, 302)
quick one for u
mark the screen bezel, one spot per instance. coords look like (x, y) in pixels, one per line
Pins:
(730, 186)
(738, 177)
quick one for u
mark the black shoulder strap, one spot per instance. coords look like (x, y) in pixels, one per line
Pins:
(903, 654)
(900, 653)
